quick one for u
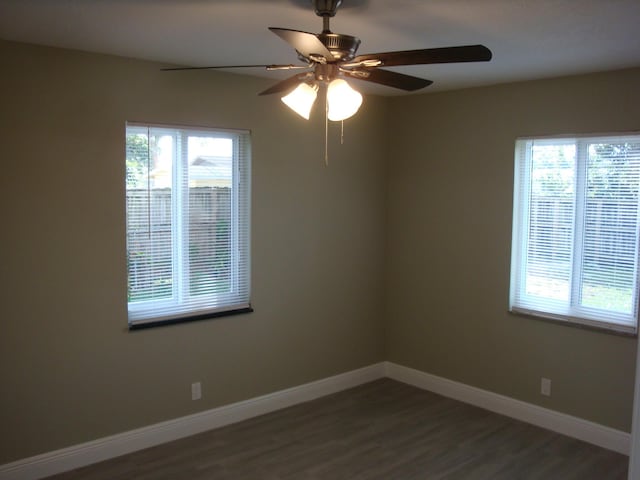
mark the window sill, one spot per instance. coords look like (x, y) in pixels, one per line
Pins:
(195, 318)
(612, 329)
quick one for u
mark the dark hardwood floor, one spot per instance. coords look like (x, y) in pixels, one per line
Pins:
(381, 430)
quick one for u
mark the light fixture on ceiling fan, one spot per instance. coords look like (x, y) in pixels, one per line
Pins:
(342, 100)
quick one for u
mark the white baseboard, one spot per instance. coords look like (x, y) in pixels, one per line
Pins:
(58, 461)
(105, 448)
(575, 427)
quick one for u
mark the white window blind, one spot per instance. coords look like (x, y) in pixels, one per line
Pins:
(575, 230)
(187, 223)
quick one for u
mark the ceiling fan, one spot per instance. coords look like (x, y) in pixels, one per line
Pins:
(328, 58)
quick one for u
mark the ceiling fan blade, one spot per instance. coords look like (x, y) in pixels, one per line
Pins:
(466, 53)
(389, 78)
(308, 44)
(286, 85)
(268, 67)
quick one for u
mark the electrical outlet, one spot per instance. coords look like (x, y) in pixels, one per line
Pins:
(196, 391)
(545, 386)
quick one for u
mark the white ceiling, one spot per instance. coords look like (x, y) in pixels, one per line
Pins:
(529, 38)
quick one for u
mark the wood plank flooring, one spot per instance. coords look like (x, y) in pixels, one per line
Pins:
(380, 430)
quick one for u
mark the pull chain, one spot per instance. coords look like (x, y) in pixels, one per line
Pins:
(326, 134)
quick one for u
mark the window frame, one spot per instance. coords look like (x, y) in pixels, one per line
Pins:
(144, 314)
(519, 301)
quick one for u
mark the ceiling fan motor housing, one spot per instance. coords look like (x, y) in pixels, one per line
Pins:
(342, 47)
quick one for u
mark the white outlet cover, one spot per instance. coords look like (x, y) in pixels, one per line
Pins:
(196, 391)
(545, 387)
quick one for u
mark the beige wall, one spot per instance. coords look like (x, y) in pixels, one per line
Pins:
(449, 233)
(69, 369)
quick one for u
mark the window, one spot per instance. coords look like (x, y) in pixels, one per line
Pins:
(575, 230)
(187, 223)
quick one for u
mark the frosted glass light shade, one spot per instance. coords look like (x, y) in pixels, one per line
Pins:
(301, 99)
(343, 101)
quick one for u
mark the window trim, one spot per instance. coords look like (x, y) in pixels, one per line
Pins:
(521, 219)
(240, 231)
